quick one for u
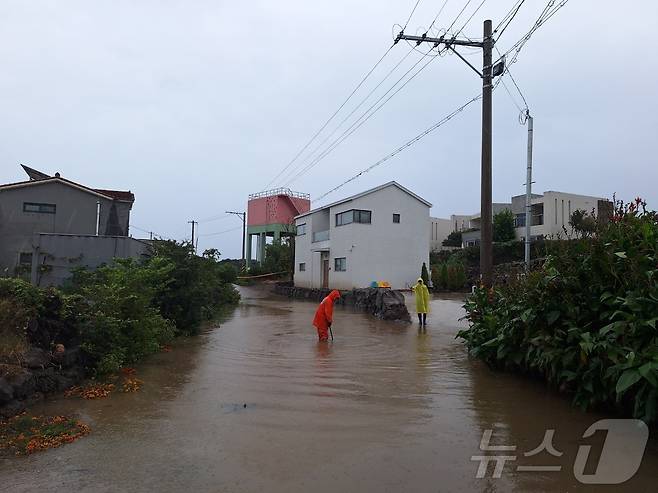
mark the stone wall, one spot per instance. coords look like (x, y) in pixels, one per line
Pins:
(386, 304)
(39, 372)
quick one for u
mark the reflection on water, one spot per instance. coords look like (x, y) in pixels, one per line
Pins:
(259, 404)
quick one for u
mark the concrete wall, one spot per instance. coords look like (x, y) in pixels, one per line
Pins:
(380, 251)
(439, 231)
(75, 213)
(558, 207)
(61, 252)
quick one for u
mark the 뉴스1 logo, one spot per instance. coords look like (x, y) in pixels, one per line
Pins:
(620, 459)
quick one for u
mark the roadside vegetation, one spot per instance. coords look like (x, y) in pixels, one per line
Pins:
(118, 313)
(458, 269)
(585, 320)
(279, 257)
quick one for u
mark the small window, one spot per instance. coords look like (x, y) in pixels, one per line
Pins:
(301, 229)
(344, 218)
(362, 217)
(396, 219)
(302, 267)
(40, 208)
(25, 258)
(340, 264)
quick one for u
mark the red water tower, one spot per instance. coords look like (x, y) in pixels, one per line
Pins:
(271, 214)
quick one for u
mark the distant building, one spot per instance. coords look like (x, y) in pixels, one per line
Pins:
(270, 214)
(439, 231)
(380, 235)
(552, 211)
(49, 224)
(471, 235)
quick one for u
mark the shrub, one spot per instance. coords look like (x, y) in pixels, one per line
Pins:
(424, 275)
(196, 288)
(586, 321)
(449, 275)
(503, 226)
(454, 239)
(119, 323)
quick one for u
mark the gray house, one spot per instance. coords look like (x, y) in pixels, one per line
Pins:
(49, 224)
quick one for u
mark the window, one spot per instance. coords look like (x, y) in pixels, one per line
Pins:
(362, 217)
(301, 229)
(353, 216)
(41, 208)
(340, 264)
(25, 258)
(344, 218)
(302, 267)
(396, 219)
(519, 220)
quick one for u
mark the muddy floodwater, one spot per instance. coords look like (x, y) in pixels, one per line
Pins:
(259, 405)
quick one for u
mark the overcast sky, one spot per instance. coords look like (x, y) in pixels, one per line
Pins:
(192, 105)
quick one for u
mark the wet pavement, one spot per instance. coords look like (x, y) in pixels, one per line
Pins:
(259, 405)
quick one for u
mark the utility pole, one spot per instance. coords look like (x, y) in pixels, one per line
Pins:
(486, 212)
(528, 193)
(243, 218)
(487, 75)
(193, 223)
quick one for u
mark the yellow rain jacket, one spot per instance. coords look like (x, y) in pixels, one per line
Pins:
(422, 295)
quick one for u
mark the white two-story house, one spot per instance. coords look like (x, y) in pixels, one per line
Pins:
(380, 235)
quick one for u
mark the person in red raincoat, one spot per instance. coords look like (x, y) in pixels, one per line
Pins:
(325, 315)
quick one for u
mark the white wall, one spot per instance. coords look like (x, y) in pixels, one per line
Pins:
(439, 231)
(380, 251)
(558, 207)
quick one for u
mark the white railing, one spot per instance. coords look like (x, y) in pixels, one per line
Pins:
(280, 191)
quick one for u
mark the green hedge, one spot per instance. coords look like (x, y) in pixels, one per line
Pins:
(586, 321)
(121, 312)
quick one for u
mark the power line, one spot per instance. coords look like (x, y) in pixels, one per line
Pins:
(511, 96)
(437, 16)
(357, 124)
(333, 132)
(471, 17)
(301, 151)
(404, 146)
(410, 15)
(150, 232)
(222, 232)
(508, 72)
(459, 15)
(218, 217)
(510, 16)
(549, 11)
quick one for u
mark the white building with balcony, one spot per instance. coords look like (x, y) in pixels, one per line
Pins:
(382, 234)
(551, 213)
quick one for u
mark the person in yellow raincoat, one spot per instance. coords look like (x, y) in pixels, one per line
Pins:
(422, 295)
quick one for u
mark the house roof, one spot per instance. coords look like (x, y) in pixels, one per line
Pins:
(107, 194)
(368, 192)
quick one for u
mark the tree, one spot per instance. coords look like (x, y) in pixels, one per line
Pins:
(278, 256)
(454, 239)
(425, 276)
(503, 226)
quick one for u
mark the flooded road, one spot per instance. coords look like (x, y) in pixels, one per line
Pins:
(259, 405)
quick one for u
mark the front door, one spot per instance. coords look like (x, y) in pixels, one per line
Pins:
(324, 259)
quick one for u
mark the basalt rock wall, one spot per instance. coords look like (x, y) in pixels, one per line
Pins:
(383, 303)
